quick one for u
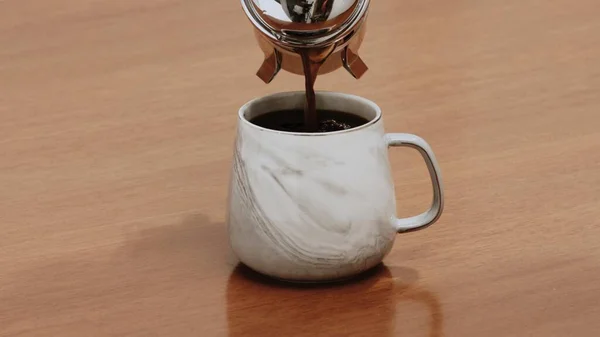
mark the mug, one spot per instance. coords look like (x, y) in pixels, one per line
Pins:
(314, 207)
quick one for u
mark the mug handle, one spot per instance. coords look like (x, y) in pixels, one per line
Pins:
(429, 217)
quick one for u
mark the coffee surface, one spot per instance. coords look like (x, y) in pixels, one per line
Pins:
(294, 121)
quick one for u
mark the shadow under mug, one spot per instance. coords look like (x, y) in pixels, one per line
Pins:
(378, 302)
(314, 207)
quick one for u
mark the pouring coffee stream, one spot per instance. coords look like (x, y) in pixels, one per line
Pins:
(311, 69)
(310, 38)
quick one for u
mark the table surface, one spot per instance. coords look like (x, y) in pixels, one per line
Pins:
(117, 121)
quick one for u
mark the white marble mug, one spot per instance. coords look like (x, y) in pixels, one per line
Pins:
(318, 206)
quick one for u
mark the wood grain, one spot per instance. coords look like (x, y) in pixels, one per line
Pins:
(116, 127)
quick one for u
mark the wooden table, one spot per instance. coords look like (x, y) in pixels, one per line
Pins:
(116, 126)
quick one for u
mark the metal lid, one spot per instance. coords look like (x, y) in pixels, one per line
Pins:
(305, 23)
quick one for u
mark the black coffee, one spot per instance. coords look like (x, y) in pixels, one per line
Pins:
(294, 121)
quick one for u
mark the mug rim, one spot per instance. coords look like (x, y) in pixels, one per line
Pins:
(322, 93)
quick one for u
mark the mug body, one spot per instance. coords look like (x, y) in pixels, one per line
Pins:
(311, 206)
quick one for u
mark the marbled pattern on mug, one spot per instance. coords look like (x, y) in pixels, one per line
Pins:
(311, 207)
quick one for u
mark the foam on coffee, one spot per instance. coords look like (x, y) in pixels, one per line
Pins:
(293, 120)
